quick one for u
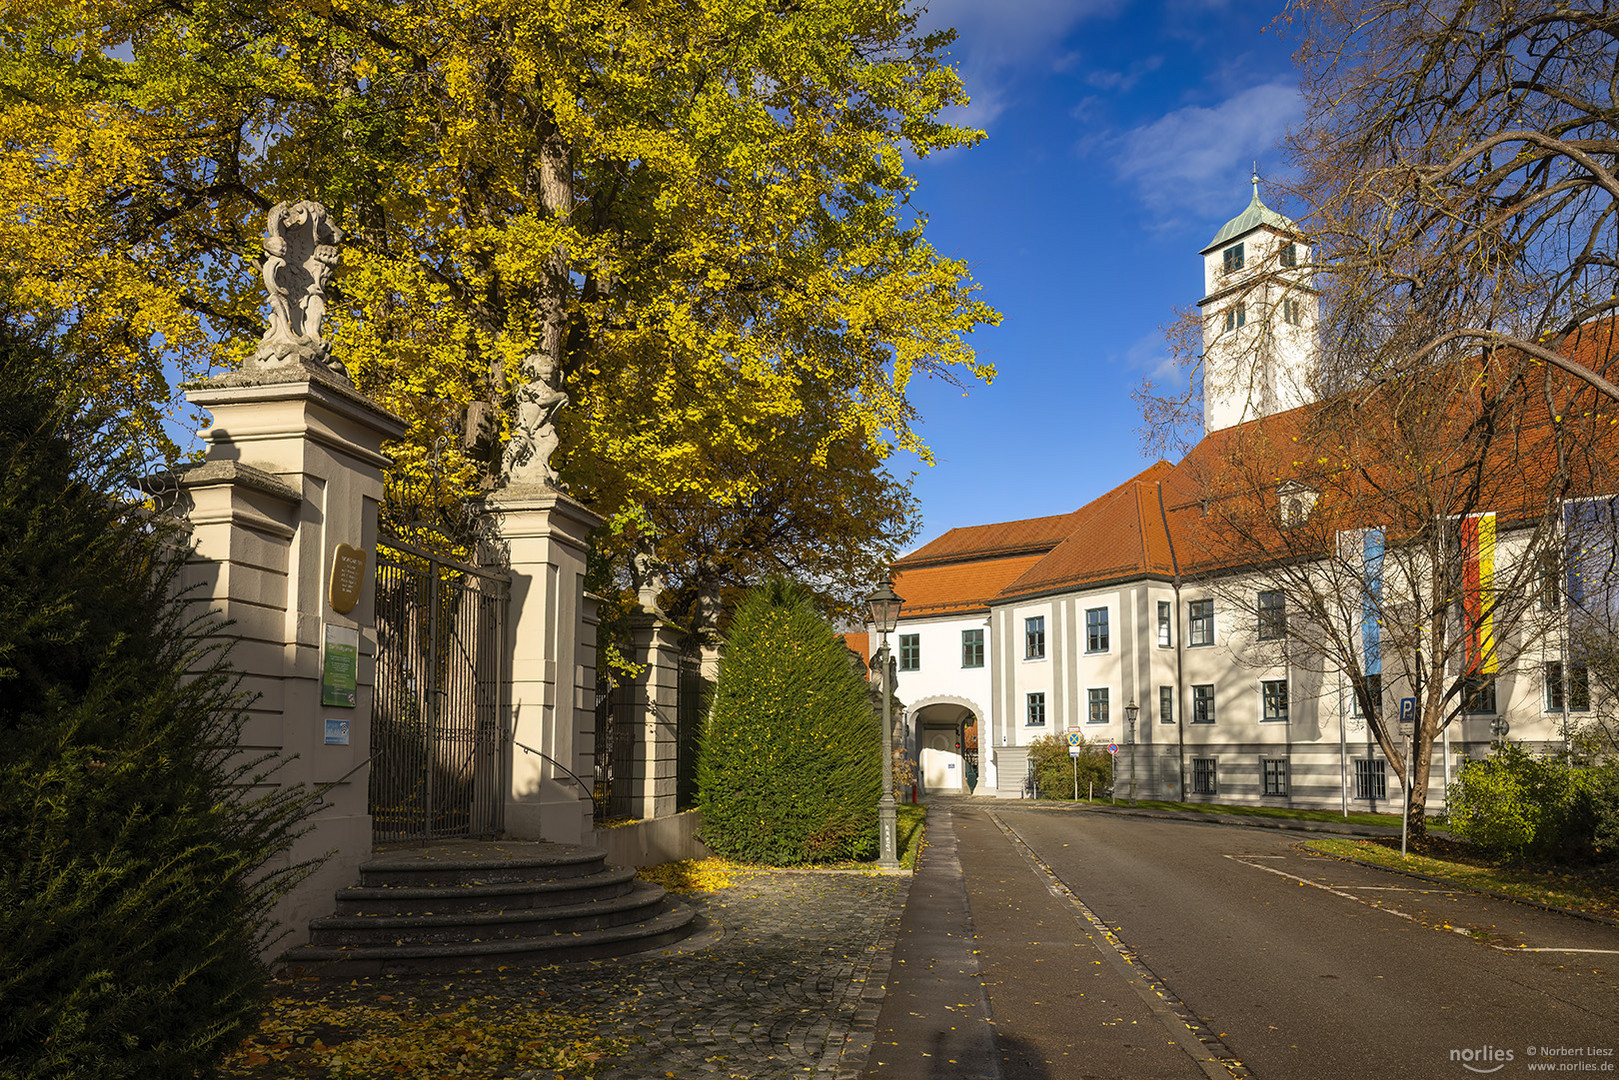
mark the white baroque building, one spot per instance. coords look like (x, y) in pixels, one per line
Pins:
(1017, 630)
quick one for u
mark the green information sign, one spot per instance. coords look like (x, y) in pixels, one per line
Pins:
(340, 667)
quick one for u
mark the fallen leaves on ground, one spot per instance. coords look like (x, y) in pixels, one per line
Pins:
(697, 875)
(415, 1040)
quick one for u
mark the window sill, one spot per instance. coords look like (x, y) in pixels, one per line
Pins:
(1274, 719)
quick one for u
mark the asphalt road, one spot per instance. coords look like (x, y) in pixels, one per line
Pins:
(1129, 947)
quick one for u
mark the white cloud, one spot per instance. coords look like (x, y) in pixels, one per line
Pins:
(1196, 158)
(1150, 354)
(998, 41)
(1124, 81)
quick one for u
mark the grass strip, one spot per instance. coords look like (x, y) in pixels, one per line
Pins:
(910, 829)
(1588, 890)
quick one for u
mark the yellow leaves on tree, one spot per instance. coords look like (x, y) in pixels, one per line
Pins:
(699, 211)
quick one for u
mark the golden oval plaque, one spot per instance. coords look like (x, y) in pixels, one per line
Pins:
(348, 578)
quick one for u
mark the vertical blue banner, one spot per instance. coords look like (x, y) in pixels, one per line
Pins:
(1371, 626)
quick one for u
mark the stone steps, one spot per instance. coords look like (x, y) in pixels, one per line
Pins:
(463, 905)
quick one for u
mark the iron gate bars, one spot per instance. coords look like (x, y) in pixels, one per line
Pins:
(438, 743)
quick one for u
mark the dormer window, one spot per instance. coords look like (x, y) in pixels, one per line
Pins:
(1297, 501)
(1233, 258)
(1235, 315)
(1290, 255)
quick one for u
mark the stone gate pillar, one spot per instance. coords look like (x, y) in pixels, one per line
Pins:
(653, 702)
(287, 494)
(550, 665)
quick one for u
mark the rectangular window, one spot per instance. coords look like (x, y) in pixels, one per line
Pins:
(1371, 779)
(1551, 577)
(1478, 695)
(972, 648)
(1274, 693)
(1290, 255)
(1164, 615)
(1166, 704)
(1293, 312)
(1205, 780)
(1098, 705)
(1272, 615)
(1037, 710)
(1579, 687)
(1235, 316)
(1202, 616)
(1096, 629)
(1374, 690)
(1275, 770)
(1034, 638)
(1232, 257)
(910, 652)
(1203, 704)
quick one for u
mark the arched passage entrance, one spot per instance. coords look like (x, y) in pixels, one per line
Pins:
(946, 736)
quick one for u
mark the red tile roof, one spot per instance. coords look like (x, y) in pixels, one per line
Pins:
(1177, 519)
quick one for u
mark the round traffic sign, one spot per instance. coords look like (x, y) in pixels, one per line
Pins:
(1075, 738)
(1113, 748)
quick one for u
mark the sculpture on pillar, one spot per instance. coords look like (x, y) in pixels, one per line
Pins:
(646, 572)
(535, 439)
(300, 253)
(708, 604)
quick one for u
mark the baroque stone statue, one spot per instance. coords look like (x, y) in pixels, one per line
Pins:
(535, 439)
(300, 253)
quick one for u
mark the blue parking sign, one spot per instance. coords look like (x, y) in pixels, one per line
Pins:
(1408, 710)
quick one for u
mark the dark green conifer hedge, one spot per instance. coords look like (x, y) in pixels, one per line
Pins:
(135, 859)
(789, 771)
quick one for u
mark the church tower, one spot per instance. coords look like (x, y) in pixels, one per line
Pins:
(1259, 319)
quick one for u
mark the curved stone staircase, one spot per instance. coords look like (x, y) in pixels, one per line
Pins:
(483, 904)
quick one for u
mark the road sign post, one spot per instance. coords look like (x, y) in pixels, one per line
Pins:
(1113, 757)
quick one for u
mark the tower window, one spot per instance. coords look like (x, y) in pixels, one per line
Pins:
(1233, 258)
(1292, 312)
(1290, 255)
(1235, 316)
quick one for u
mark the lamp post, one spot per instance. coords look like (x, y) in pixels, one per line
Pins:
(1131, 711)
(885, 604)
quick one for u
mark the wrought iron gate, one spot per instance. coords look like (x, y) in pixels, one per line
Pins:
(438, 743)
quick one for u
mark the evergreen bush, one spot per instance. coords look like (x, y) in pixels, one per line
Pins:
(135, 875)
(790, 766)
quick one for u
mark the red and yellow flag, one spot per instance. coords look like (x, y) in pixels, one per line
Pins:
(1478, 588)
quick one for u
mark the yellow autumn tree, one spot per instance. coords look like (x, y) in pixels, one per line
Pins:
(698, 211)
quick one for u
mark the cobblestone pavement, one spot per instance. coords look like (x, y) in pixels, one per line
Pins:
(785, 981)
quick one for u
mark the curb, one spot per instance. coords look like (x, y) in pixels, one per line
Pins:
(1464, 887)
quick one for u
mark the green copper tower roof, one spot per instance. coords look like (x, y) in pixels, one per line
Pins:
(1250, 219)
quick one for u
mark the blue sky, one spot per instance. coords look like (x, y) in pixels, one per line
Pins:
(1121, 137)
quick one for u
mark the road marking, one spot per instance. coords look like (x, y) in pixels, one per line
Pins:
(1327, 888)
(1216, 1060)
(1464, 931)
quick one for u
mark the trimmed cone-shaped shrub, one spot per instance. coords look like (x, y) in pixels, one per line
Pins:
(135, 867)
(790, 766)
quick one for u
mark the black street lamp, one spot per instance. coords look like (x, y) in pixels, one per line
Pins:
(1131, 711)
(885, 605)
